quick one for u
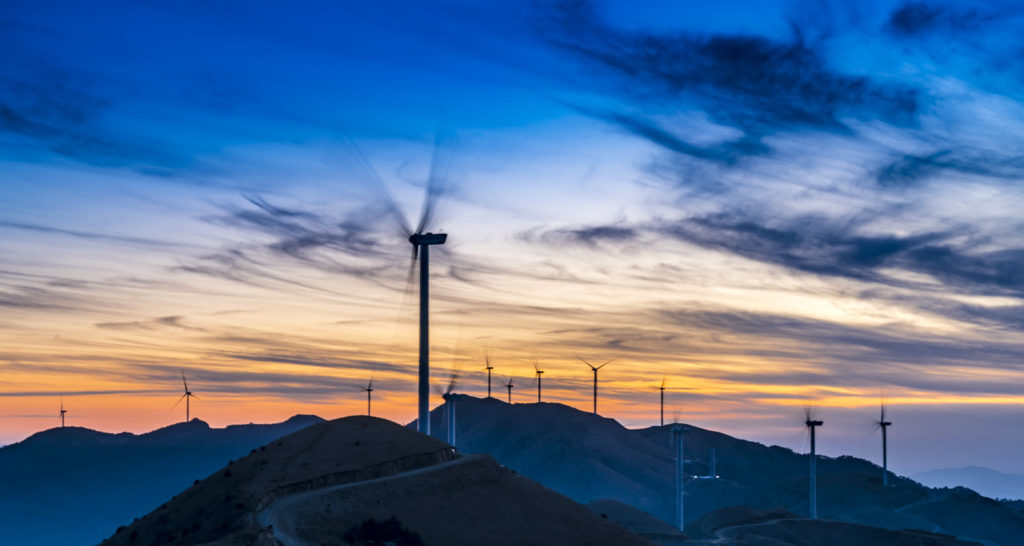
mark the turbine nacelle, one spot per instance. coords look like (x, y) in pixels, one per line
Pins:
(812, 423)
(428, 238)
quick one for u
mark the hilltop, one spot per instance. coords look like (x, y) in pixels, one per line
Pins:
(363, 476)
(96, 481)
(589, 458)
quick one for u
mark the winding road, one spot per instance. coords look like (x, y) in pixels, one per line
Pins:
(284, 529)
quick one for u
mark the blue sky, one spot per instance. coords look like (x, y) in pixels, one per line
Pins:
(773, 203)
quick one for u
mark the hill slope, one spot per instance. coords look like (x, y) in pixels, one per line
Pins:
(353, 475)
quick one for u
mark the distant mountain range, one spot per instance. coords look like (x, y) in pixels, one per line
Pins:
(74, 485)
(988, 482)
(94, 482)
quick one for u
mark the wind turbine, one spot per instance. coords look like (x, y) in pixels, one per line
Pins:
(62, 411)
(811, 425)
(592, 367)
(509, 386)
(421, 243)
(662, 389)
(678, 431)
(368, 389)
(885, 447)
(538, 375)
(487, 360)
(449, 407)
(187, 397)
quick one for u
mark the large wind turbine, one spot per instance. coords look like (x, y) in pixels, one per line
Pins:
(421, 242)
(538, 375)
(811, 425)
(595, 368)
(188, 396)
(62, 411)
(885, 447)
(487, 360)
(509, 386)
(368, 389)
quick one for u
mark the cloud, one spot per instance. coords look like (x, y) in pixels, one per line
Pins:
(753, 83)
(168, 321)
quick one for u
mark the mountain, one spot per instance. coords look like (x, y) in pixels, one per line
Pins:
(988, 482)
(92, 481)
(589, 458)
(365, 480)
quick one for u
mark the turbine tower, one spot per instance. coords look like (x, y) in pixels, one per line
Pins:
(368, 389)
(487, 360)
(509, 386)
(662, 389)
(811, 425)
(188, 396)
(885, 447)
(62, 411)
(538, 375)
(677, 435)
(595, 368)
(449, 408)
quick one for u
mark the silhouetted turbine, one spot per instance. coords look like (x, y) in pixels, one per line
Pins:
(662, 389)
(421, 243)
(368, 389)
(595, 368)
(811, 425)
(538, 375)
(509, 386)
(885, 447)
(487, 360)
(188, 396)
(62, 410)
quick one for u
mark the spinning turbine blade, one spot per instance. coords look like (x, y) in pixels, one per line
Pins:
(382, 188)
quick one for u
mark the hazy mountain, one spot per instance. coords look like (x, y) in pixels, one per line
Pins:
(364, 480)
(74, 485)
(588, 458)
(988, 482)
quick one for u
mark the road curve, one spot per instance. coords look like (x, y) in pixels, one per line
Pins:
(286, 533)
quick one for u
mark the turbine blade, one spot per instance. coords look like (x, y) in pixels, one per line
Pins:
(179, 401)
(663, 380)
(605, 364)
(585, 362)
(436, 182)
(380, 186)
(183, 380)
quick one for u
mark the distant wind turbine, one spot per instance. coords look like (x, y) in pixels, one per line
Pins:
(449, 407)
(487, 361)
(421, 243)
(883, 424)
(538, 375)
(188, 396)
(62, 410)
(662, 389)
(678, 431)
(509, 386)
(368, 389)
(595, 368)
(811, 425)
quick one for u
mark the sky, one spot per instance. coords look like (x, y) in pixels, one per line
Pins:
(771, 206)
